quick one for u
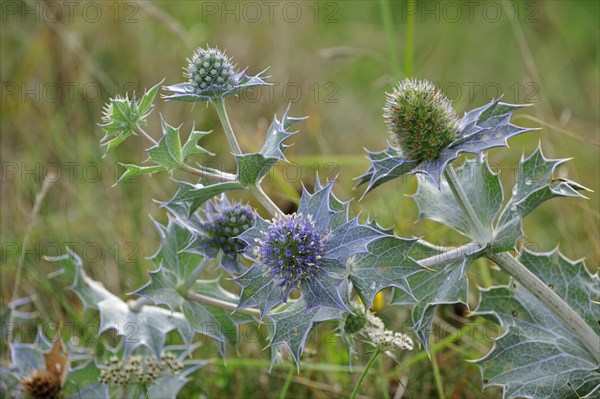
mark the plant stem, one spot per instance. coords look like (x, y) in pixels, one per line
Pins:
(219, 104)
(220, 177)
(450, 255)
(464, 203)
(530, 281)
(568, 316)
(184, 287)
(145, 135)
(265, 201)
(286, 384)
(364, 373)
(257, 191)
(208, 300)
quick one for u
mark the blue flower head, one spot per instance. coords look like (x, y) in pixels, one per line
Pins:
(216, 228)
(291, 251)
(306, 251)
(223, 226)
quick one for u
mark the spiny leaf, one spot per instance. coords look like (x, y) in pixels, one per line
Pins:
(252, 168)
(535, 185)
(147, 101)
(191, 146)
(185, 91)
(172, 255)
(293, 325)
(386, 264)
(385, 166)
(324, 291)
(274, 146)
(481, 186)
(349, 239)
(213, 321)
(197, 194)
(538, 356)
(168, 150)
(133, 170)
(258, 290)
(447, 284)
(147, 327)
(317, 205)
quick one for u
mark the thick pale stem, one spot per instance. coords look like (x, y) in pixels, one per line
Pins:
(567, 315)
(145, 135)
(364, 373)
(265, 201)
(257, 191)
(191, 279)
(219, 104)
(208, 300)
(221, 177)
(450, 255)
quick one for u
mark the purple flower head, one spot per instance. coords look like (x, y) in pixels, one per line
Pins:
(306, 251)
(216, 229)
(222, 228)
(291, 251)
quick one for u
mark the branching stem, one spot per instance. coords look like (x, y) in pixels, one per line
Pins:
(530, 281)
(145, 135)
(208, 300)
(219, 104)
(218, 177)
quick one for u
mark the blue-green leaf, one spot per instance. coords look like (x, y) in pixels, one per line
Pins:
(168, 150)
(538, 356)
(386, 264)
(258, 290)
(185, 91)
(147, 327)
(252, 168)
(147, 101)
(197, 194)
(292, 326)
(535, 185)
(133, 170)
(481, 186)
(447, 284)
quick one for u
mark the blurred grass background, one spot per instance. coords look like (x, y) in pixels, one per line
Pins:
(333, 61)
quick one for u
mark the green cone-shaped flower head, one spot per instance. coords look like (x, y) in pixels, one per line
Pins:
(211, 71)
(420, 119)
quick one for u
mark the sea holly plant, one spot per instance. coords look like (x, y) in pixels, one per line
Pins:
(222, 263)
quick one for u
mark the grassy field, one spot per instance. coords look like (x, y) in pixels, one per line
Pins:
(333, 61)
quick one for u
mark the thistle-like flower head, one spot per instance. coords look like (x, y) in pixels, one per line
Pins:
(211, 75)
(420, 119)
(291, 251)
(306, 251)
(426, 134)
(217, 228)
(210, 72)
(223, 226)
